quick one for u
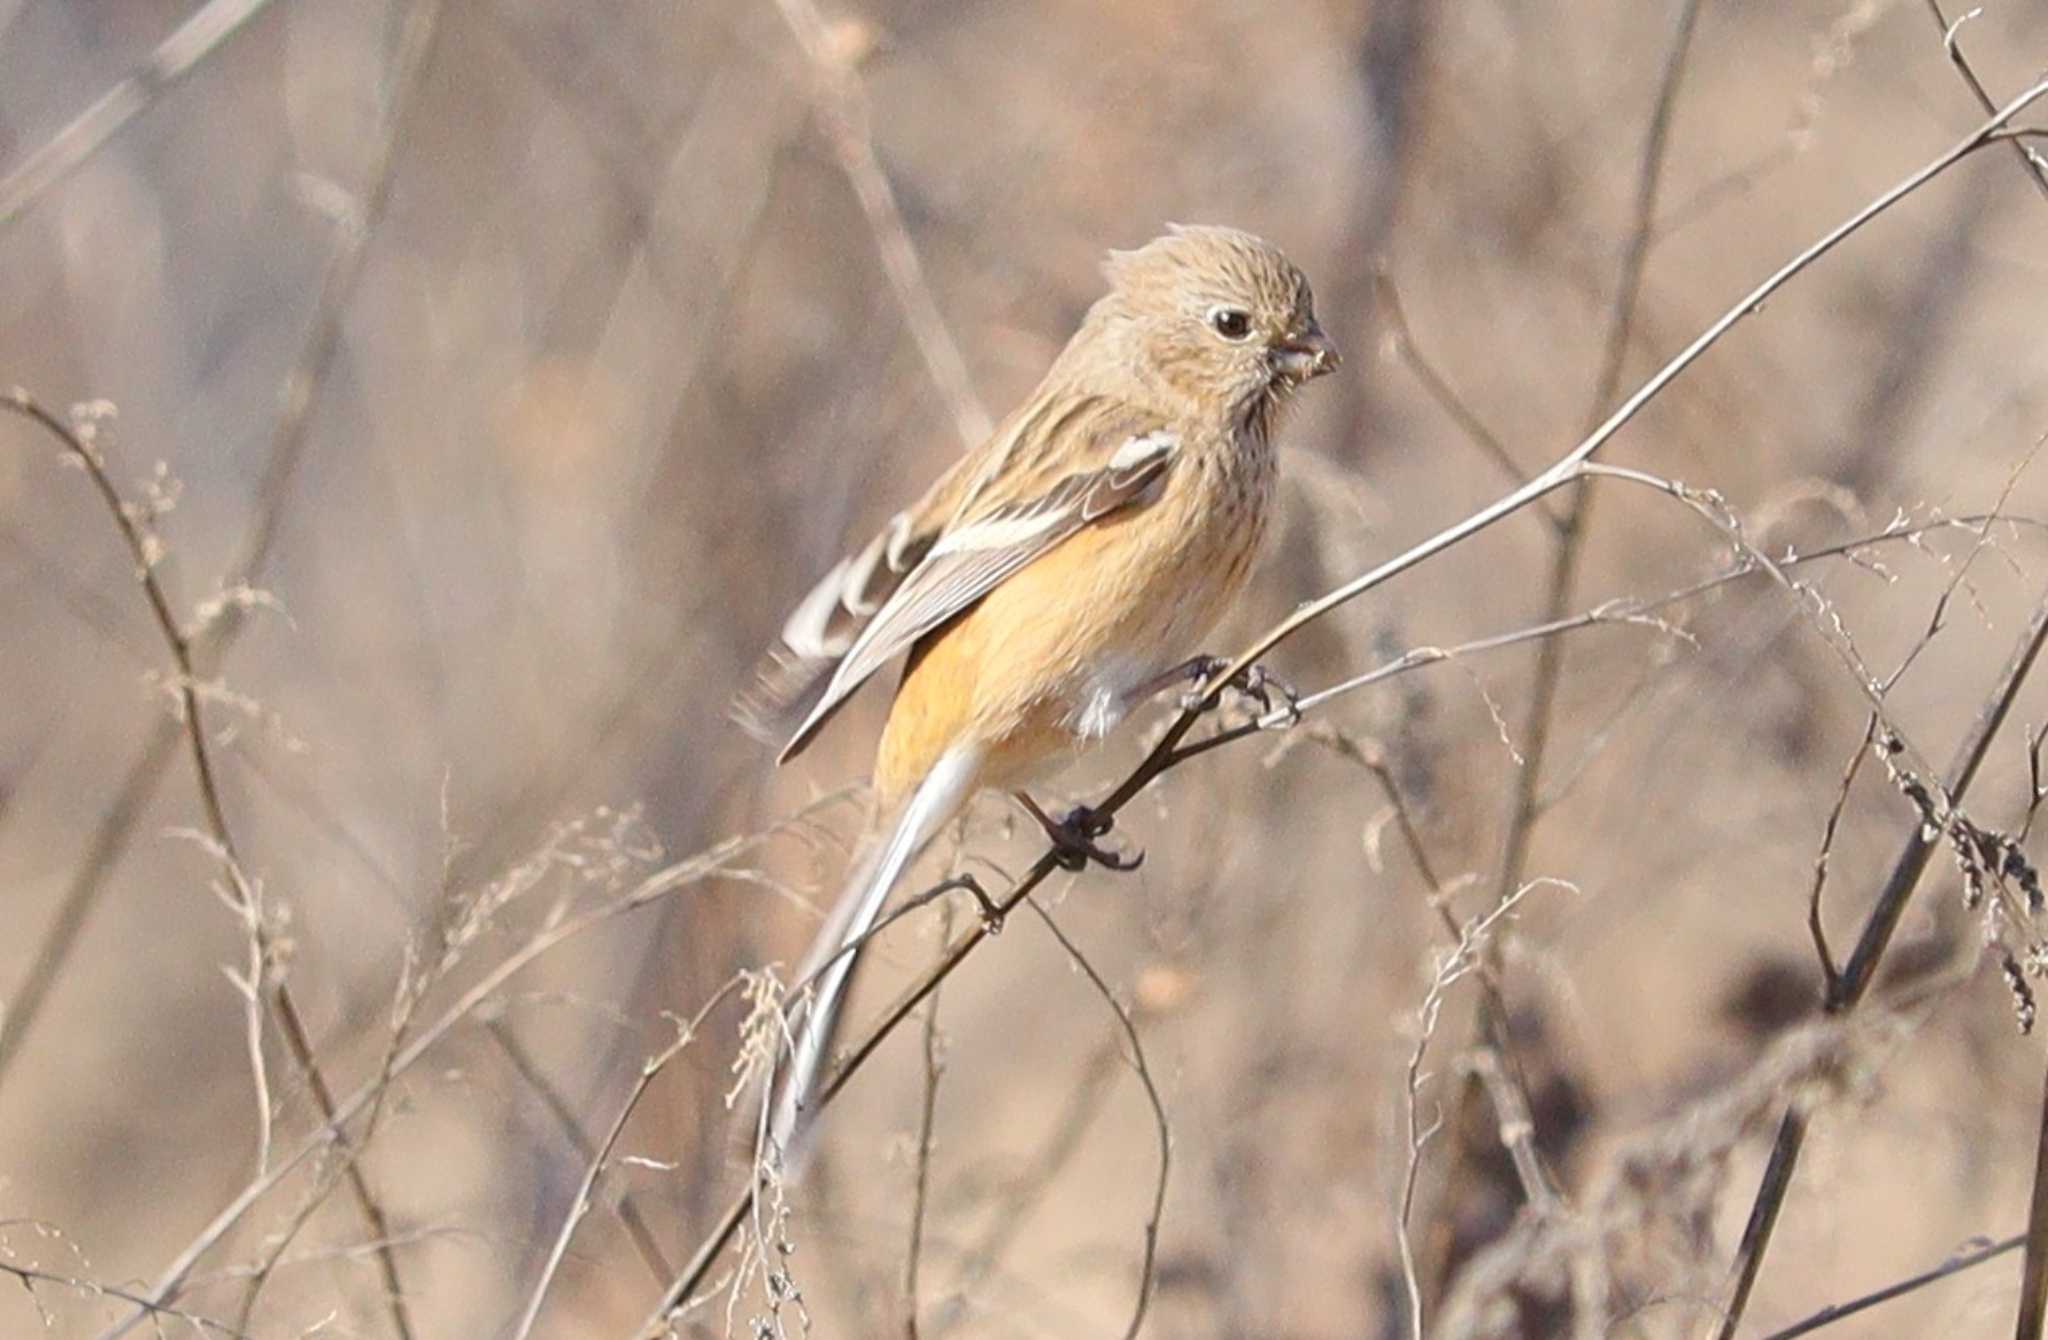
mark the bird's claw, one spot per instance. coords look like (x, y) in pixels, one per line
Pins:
(1262, 686)
(1254, 682)
(1075, 846)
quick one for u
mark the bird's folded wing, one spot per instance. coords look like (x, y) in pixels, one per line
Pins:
(869, 608)
(791, 676)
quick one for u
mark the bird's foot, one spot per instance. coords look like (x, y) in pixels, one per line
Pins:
(1265, 688)
(1074, 838)
(1255, 683)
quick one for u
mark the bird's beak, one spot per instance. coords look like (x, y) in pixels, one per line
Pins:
(1306, 353)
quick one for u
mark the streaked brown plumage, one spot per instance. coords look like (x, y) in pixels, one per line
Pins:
(1059, 572)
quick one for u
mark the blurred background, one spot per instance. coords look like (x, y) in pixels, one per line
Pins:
(529, 359)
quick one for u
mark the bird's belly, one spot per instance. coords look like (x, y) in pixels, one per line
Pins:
(1114, 639)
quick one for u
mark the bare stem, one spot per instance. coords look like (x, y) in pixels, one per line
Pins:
(551, 1097)
(287, 450)
(1955, 1265)
(198, 37)
(844, 104)
(655, 887)
(1951, 34)
(685, 1034)
(1854, 980)
(934, 1066)
(2034, 1276)
(1149, 1261)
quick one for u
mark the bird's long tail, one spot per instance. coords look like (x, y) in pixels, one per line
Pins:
(830, 961)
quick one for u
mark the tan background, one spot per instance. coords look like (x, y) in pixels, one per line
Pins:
(621, 372)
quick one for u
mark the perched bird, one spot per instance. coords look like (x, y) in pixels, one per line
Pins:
(1057, 575)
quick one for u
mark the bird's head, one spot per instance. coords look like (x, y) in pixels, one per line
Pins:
(1209, 313)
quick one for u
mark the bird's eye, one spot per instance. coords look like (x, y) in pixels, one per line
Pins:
(1232, 323)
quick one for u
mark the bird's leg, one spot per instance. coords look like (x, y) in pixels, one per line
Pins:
(1192, 672)
(1073, 837)
(1254, 682)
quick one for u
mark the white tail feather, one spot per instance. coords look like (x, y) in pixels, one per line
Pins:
(830, 960)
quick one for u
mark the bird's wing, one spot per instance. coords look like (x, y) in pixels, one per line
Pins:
(790, 678)
(1010, 510)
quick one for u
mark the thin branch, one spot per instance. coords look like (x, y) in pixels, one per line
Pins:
(1710, 507)
(192, 41)
(686, 1032)
(123, 809)
(1955, 1265)
(843, 103)
(551, 1098)
(1830, 973)
(1516, 1126)
(1524, 807)
(1618, 611)
(661, 884)
(1576, 523)
(2029, 159)
(1460, 961)
(934, 1066)
(1567, 469)
(200, 34)
(242, 895)
(143, 550)
(2037, 791)
(1855, 978)
(274, 1251)
(1400, 342)
(2034, 1275)
(1369, 754)
(1144, 1072)
(339, 1252)
(30, 1277)
(410, 993)
(287, 450)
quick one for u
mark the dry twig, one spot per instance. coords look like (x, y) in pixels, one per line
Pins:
(2034, 1271)
(30, 1277)
(1461, 961)
(1951, 33)
(1143, 1069)
(843, 103)
(714, 861)
(1850, 985)
(287, 452)
(1572, 528)
(191, 42)
(264, 983)
(686, 1032)
(522, 1062)
(934, 1066)
(1955, 1265)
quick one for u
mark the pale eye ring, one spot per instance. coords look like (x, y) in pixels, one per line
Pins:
(1232, 323)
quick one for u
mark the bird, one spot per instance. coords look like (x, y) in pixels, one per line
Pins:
(1056, 577)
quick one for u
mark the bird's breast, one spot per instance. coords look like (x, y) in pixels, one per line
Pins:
(1157, 582)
